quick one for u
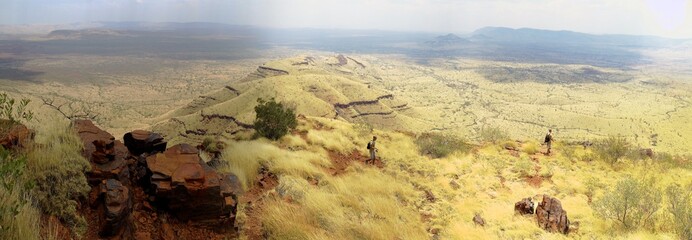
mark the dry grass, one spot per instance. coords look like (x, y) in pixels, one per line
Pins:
(412, 197)
(56, 168)
(364, 204)
(19, 219)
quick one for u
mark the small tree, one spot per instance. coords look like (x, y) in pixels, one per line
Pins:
(492, 134)
(612, 148)
(632, 202)
(273, 120)
(439, 145)
(680, 207)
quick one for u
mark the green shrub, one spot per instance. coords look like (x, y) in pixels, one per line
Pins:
(680, 207)
(439, 145)
(55, 166)
(273, 120)
(13, 112)
(632, 202)
(568, 151)
(18, 218)
(493, 135)
(612, 148)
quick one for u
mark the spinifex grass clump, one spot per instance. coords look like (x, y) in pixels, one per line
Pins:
(439, 145)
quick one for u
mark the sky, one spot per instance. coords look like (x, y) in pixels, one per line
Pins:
(669, 18)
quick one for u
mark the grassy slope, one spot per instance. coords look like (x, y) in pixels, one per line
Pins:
(396, 202)
(652, 103)
(312, 90)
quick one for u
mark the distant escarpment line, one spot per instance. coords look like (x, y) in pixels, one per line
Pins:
(233, 90)
(357, 62)
(206, 117)
(400, 107)
(373, 113)
(273, 70)
(208, 97)
(198, 132)
(356, 103)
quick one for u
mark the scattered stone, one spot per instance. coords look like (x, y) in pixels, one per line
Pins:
(492, 194)
(430, 196)
(647, 152)
(168, 233)
(118, 201)
(141, 141)
(17, 137)
(143, 236)
(454, 185)
(524, 207)
(551, 216)
(191, 189)
(478, 220)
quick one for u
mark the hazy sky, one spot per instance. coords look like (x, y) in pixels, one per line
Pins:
(653, 17)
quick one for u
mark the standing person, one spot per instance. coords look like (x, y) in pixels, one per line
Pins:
(549, 140)
(372, 149)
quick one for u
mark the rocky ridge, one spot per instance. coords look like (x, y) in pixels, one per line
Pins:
(140, 188)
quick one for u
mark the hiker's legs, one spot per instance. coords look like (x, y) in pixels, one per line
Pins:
(372, 156)
(549, 146)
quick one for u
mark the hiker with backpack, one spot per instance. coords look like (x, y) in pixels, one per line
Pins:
(549, 140)
(372, 149)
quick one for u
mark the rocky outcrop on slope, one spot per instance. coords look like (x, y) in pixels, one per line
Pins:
(140, 141)
(524, 207)
(118, 204)
(18, 135)
(105, 154)
(173, 181)
(551, 216)
(189, 188)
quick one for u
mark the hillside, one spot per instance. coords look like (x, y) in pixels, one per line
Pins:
(336, 87)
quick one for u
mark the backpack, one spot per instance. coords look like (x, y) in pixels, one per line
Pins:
(548, 138)
(368, 145)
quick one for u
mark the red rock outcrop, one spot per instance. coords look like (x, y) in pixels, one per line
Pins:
(148, 183)
(551, 216)
(106, 155)
(191, 189)
(524, 207)
(17, 136)
(118, 205)
(141, 141)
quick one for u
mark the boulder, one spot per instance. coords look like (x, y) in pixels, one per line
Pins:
(17, 135)
(647, 152)
(141, 141)
(106, 155)
(551, 216)
(184, 184)
(118, 202)
(524, 207)
(478, 220)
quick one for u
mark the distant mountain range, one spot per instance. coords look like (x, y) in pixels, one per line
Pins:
(202, 40)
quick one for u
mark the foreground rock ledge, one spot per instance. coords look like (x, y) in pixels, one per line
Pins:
(176, 182)
(191, 189)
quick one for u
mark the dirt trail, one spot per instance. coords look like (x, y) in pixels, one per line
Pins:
(252, 227)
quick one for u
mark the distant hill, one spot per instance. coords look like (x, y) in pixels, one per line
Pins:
(449, 40)
(545, 46)
(531, 35)
(330, 87)
(84, 33)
